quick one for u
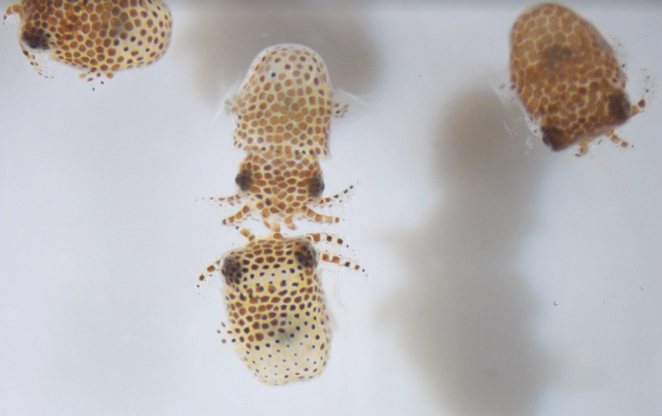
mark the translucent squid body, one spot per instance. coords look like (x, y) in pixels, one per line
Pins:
(283, 111)
(567, 77)
(277, 318)
(99, 37)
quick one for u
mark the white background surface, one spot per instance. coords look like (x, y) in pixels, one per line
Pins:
(504, 279)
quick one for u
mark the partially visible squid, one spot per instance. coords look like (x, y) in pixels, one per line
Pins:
(98, 37)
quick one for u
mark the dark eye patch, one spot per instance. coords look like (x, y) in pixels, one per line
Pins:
(244, 180)
(316, 186)
(306, 256)
(231, 270)
(36, 38)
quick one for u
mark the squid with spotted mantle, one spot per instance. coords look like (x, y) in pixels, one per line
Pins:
(283, 111)
(98, 37)
(567, 77)
(276, 314)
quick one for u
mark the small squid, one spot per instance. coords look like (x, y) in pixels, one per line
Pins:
(277, 318)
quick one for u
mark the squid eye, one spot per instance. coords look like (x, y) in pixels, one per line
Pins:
(244, 180)
(619, 107)
(306, 256)
(231, 270)
(36, 38)
(316, 186)
(554, 137)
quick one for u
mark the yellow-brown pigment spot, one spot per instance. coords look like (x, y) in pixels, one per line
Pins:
(285, 104)
(99, 37)
(275, 307)
(566, 76)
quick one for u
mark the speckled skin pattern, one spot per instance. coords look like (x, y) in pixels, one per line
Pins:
(566, 76)
(280, 190)
(98, 37)
(285, 104)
